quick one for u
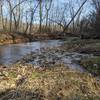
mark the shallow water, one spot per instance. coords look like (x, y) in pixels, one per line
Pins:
(51, 58)
(9, 54)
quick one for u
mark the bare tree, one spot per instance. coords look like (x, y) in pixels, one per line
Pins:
(48, 4)
(66, 27)
(1, 14)
(40, 15)
(12, 9)
(33, 10)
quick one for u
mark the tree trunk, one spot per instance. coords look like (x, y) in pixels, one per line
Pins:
(40, 12)
(31, 22)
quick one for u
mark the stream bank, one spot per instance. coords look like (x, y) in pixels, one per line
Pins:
(24, 82)
(69, 52)
(50, 73)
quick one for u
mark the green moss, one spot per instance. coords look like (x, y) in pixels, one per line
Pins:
(35, 75)
(12, 74)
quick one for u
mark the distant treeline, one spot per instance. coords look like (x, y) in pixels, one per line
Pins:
(51, 16)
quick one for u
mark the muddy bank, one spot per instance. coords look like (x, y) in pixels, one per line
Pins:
(90, 50)
(6, 38)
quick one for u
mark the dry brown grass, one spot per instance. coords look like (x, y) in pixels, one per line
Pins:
(51, 84)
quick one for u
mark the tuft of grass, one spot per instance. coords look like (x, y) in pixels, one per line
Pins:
(12, 74)
(92, 65)
(35, 75)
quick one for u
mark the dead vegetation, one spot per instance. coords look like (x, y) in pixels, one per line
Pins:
(23, 82)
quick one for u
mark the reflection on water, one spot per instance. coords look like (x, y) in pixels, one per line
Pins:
(13, 52)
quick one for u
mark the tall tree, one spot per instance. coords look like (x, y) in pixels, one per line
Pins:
(40, 13)
(1, 15)
(48, 4)
(33, 10)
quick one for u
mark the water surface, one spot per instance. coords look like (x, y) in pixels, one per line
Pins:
(9, 54)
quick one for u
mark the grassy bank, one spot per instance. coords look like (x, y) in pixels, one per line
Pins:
(24, 82)
(92, 65)
(82, 45)
(87, 46)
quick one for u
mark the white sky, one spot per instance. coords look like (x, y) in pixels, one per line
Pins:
(86, 9)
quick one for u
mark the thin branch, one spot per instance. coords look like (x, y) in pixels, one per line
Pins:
(75, 15)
